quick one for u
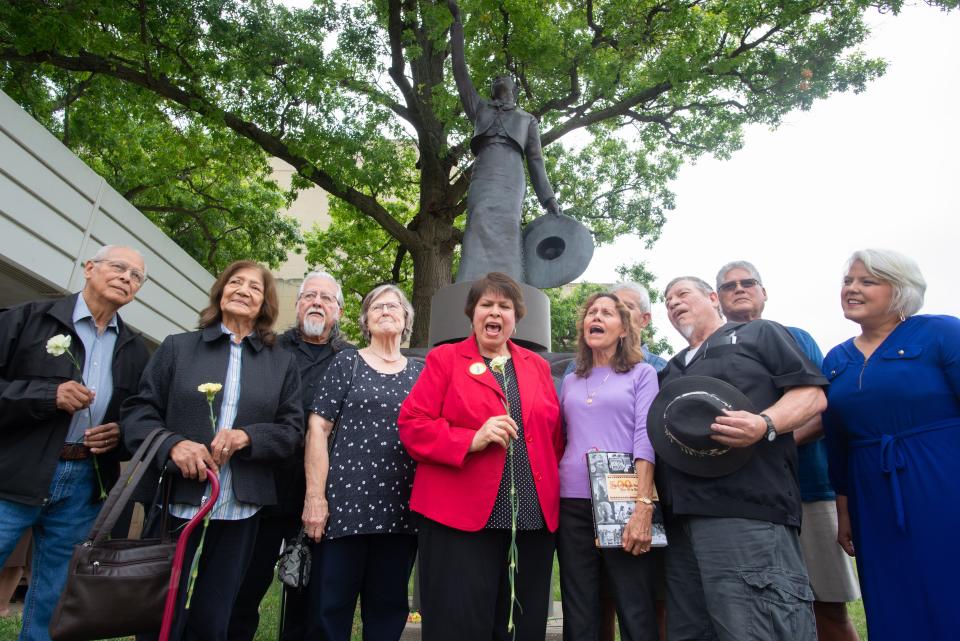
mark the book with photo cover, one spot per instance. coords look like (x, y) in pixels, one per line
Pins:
(613, 492)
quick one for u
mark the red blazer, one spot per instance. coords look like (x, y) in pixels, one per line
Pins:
(439, 418)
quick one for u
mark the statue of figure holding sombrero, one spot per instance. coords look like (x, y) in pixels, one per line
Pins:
(503, 136)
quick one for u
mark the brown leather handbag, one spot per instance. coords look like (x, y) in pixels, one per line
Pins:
(116, 587)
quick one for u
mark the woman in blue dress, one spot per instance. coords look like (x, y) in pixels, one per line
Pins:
(893, 436)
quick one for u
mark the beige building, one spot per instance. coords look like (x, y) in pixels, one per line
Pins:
(310, 209)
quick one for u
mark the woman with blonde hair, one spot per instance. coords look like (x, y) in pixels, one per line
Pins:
(893, 438)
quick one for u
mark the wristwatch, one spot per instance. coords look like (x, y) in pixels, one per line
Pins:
(646, 500)
(771, 434)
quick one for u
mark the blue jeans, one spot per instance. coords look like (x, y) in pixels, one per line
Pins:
(62, 522)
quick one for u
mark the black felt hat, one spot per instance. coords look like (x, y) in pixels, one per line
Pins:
(679, 420)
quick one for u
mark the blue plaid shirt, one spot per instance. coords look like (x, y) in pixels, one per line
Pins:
(97, 367)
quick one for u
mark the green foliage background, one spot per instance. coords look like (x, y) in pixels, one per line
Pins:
(180, 103)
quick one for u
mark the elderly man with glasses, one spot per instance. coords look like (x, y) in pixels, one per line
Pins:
(742, 299)
(59, 435)
(314, 342)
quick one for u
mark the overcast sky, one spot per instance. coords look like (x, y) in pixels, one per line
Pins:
(878, 169)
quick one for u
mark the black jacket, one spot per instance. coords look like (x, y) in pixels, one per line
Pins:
(291, 483)
(32, 429)
(269, 410)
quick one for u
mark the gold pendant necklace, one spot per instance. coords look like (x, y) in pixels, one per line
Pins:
(590, 395)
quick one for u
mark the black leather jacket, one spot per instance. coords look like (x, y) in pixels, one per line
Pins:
(32, 429)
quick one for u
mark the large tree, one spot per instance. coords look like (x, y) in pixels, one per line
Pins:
(358, 96)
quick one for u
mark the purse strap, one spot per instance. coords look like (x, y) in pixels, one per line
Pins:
(336, 421)
(123, 489)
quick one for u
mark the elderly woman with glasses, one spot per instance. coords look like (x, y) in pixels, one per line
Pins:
(258, 425)
(359, 479)
(893, 437)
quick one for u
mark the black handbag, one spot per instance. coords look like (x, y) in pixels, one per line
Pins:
(116, 587)
(293, 568)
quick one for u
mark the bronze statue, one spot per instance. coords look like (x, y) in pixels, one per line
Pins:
(503, 135)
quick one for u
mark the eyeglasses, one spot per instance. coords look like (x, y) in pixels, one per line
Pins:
(325, 299)
(744, 283)
(385, 307)
(119, 267)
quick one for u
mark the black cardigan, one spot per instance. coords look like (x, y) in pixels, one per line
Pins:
(269, 410)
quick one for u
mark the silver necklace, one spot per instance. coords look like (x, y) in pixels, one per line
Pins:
(385, 359)
(586, 383)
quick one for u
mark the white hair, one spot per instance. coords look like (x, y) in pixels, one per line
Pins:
(699, 284)
(104, 254)
(374, 294)
(319, 273)
(738, 264)
(637, 289)
(902, 272)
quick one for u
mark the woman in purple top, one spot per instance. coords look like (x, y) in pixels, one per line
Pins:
(604, 404)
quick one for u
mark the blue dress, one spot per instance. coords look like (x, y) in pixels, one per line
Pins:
(893, 436)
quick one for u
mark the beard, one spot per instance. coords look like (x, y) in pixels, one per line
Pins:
(685, 329)
(313, 328)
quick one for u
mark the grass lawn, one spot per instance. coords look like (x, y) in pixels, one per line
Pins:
(270, 612)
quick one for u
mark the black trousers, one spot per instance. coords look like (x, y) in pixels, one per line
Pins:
(227, 549)
(464, 588)
(582, 565)
(273, 532)
(372, 567)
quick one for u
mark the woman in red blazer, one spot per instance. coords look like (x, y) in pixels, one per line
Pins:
(457, 424)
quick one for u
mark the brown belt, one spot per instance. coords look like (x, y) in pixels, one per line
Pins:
(74, 452)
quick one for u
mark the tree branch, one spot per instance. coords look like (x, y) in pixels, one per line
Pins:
(598, 36)
(616, 109)
(395, 28)
(192, 100)
(397, 264)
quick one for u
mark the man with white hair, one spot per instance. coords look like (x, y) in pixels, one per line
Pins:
(734, 566)
(742, 299)
(59, 435)
(314, 341)
(637, 300)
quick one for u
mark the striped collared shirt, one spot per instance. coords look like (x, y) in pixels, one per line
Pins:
(228, 508)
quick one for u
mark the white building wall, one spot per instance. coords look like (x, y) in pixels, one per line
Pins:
(56, 212)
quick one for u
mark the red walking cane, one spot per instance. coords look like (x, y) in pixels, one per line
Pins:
(171, 604)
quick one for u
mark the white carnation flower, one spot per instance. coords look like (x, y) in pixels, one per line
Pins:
(58, 345)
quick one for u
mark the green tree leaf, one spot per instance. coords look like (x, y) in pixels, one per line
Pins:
(359, 99)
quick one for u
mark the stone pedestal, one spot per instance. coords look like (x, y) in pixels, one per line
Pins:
(448, 323)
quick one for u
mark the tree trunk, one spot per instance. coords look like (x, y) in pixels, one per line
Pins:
(432, 267)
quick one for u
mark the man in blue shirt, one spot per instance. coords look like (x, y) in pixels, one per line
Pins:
(59, 435)
(742, 297)
(637, 299)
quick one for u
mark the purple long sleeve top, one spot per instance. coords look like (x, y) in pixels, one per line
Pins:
(616, 420)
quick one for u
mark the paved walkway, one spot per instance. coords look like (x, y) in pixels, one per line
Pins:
(554, 627)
